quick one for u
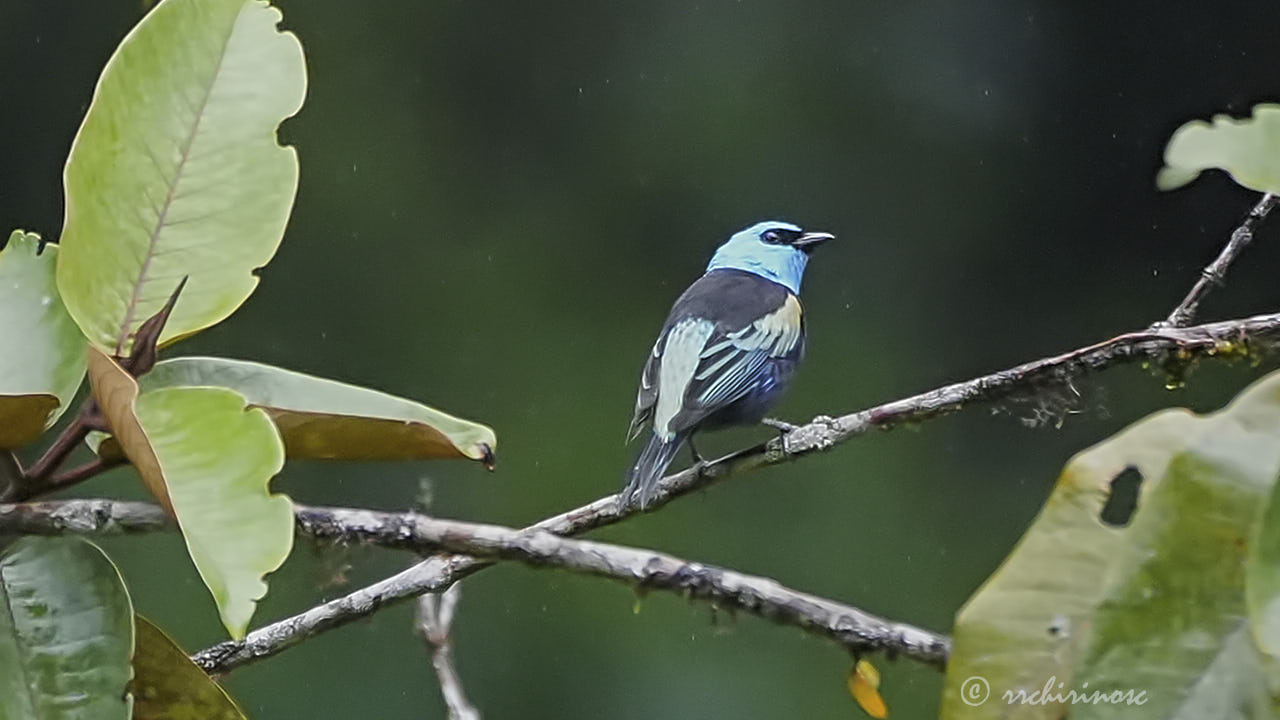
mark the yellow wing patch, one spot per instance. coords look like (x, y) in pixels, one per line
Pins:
(776, 333)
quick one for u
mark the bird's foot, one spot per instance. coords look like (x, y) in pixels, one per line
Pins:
(781, 426)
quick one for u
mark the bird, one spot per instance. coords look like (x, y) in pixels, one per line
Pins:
(727, 350)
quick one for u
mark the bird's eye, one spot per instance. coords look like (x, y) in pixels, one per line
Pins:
(771, 236)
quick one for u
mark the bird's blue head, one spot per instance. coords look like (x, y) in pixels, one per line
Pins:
(774, 250)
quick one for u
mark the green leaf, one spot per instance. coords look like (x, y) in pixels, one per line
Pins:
(42, 361)
(1262, 585)
(176, 170)
(167, 685)
(209, 457)
(1155, 605)
(321, 418)
(66, 632)
(1247, 149)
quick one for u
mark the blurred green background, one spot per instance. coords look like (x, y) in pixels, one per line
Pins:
(500, 200)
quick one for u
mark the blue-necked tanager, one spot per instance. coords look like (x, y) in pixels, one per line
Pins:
(727, 350)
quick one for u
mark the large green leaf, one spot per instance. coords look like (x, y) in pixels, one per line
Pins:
(1262, 585)
(1264, 578)
(1247, 149)
(167, 685)
(66, 632)
(1153, 606)
(43, 355)
(176, 170)
(209, 457)
(321, 418)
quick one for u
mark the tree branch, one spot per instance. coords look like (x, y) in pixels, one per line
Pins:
(424, 577)
(437, 573)
(82, 517)
(401, 530)
(1167, 342)
(1215, 273)
(434, 620)
(1228, 338)
(855, 629)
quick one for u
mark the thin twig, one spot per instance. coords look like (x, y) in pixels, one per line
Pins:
(1215, 273)
(434, 620)
(82, 472)
(69, 439)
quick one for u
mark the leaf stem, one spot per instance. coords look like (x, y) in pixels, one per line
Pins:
(71, 436)
(36, 479)
(80, 473)
(41, 478)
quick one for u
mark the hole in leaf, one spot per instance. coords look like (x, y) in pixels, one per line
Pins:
(1122, 500)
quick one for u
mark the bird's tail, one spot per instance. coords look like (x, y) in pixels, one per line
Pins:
(648, 469)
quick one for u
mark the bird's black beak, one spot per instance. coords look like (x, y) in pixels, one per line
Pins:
(810, 240)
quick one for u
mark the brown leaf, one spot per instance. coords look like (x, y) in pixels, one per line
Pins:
(144, 354)
(167, 685)
(116, 393)
(23, 417)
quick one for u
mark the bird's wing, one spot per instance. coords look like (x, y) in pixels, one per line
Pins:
(647, 395)
(706, 365)
(732, 366)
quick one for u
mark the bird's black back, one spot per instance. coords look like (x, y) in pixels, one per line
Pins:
(732, 298)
